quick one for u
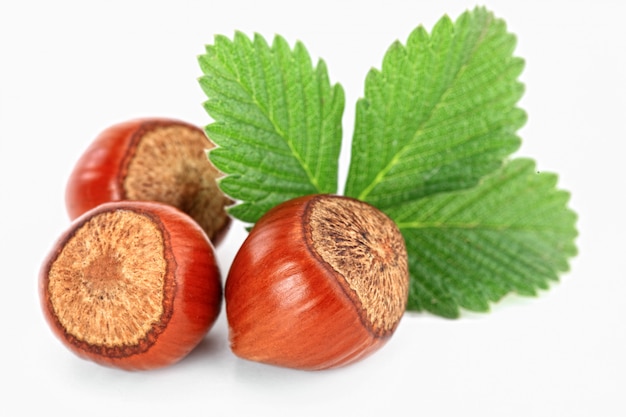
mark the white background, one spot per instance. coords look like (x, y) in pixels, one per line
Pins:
(69, 69)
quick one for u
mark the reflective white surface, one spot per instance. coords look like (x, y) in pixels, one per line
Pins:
(69, 69)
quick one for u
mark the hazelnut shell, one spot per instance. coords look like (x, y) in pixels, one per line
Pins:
(191, 291)
(167, 172)
(287, 306)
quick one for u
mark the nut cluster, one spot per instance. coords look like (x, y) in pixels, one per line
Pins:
(134, 283)
(320, 282)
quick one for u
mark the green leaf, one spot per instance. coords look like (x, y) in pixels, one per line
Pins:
(511, 233)
(277, 122)
(440, 114)
(432, 137)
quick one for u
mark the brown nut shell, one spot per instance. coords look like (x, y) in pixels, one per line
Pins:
(151, 159)
(133, 285)
(320, 282)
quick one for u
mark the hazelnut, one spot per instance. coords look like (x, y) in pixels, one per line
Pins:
(131, 284)
(320, 282)
(151, 159)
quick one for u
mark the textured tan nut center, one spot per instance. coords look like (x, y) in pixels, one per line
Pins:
(170, 165)
(107, 284)
(368, 252)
